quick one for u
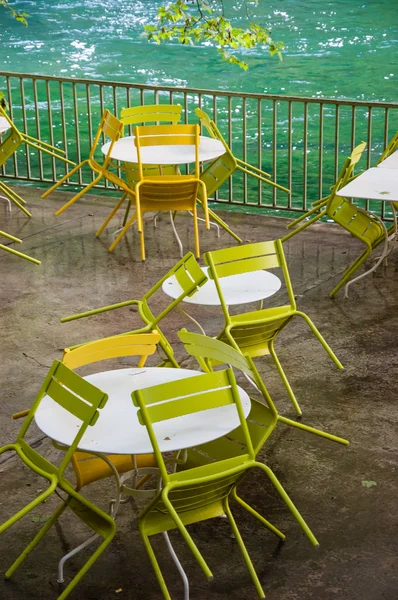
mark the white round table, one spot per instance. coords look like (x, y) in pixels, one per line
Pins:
(118, 431)
(4, 125)
(391, 162)
(237, 289)
(125, 150)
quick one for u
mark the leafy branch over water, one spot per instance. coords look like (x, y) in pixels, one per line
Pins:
(19, 16)
(195, 21)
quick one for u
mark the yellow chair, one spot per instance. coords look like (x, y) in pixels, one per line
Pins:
(8, 147)
(112, 128)
(12, 251)
(231, 161)
(254, 333)
(392, 146)
(145, 114)
(163, 192)
(34, 142)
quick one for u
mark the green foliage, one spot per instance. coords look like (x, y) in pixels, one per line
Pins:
(19, 16)
(195, 21)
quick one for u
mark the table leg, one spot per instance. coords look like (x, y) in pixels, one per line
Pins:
(178, 565)
(378, 262)
(114, 507)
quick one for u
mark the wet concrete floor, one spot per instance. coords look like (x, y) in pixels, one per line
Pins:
(348, 495)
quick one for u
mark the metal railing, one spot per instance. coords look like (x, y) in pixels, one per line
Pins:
(302, 142)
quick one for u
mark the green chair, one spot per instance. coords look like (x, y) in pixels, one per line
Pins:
(263, 417)
(345, 176)
(190, 277)
(83, 401)
(254, 333)
(203, 492)
(356, 221)
(391, 147)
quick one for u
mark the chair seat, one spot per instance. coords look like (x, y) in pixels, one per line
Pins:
(254, 331)
(91, 468)
(261, 315)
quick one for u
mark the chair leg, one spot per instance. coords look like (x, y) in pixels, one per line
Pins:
(321, 339)
(87, 565)
(154, 562)
(349, 272)
(305, 225)
(283, 494)
(64, 178)
(79, 195)
(285, 381)
(224, 225)
(142, 241)
(20, 254)
(17, 196)
(328, 436)
(29, 507)
(184, 532)
(196, 231)
(39, 536)
(126, 214)
(111, 215)
(15, 199)
(123, 232)
(243, 549)
(257, 515)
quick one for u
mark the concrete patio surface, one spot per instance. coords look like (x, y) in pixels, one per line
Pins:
(348, 495)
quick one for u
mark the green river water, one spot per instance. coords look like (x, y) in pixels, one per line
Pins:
(333, 49)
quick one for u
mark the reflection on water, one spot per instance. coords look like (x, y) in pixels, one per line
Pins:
(333, 49)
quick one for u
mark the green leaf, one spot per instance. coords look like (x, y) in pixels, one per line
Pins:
(369, 484)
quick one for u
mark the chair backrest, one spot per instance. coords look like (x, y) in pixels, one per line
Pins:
(262, 418)
(110, 127)
(186, 397)
(190, 277)
(216, 173)
(137, 344)
(152, 113)
(76, 396)
(346, 173)
(11, 143)
(166, 135)
(211, 127)
(391, 147)
(245, 259)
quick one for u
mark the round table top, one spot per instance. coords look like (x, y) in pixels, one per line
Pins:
(391, 162)
(125, 150)
(118, 431)
(4, 125)
(237, 289)
(374, 184)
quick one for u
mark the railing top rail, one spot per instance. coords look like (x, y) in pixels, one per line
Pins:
(204, 92)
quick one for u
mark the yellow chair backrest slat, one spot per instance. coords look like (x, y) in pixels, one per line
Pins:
(138, 344)
(153, 113)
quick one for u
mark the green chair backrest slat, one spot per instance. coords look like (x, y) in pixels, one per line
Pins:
(247, 265)
(75, 395)
(197, 277)
(199, 345)
(258, 249)
(216, 173)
